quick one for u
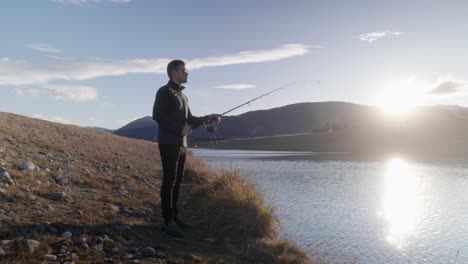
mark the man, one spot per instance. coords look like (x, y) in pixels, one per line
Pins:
(175, 120)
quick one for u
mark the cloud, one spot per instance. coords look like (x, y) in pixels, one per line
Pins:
(56, 119)
(373, 36)
(283, 52)
(15, 73)
(448, 87)
(235, 86)
(69, 93)
(89, 2)
(43, 48)
(73, 93)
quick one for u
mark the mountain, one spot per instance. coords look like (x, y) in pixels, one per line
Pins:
(101, 129)
(71, 194)
(431, 134)
(143, 128)
(289, 119)
(438, 132)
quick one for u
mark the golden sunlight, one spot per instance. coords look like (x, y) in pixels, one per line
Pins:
(400, 201)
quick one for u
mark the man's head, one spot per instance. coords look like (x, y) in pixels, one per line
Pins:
(177, 72)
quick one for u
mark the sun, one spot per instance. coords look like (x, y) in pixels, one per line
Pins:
(399, 99)
(397, 106)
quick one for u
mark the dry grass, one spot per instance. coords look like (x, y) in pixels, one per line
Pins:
(104, 171)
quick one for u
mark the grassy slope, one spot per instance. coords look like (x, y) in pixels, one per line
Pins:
(112, 188)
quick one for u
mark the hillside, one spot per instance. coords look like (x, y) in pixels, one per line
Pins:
(74, 195)
(427, 134)
(289, 119)
(143, 128)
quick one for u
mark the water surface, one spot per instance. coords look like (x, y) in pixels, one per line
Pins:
(391, 211)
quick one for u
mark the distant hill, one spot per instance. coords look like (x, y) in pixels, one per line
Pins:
(289, 119)
(427, 133)
(335, 126)
(101, 129)
(144, 128)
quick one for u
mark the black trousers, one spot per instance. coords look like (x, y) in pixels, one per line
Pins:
(173, 163)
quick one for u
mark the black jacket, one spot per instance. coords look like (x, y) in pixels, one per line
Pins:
(172, 112)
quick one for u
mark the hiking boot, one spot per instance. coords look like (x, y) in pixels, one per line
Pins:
(172, 230)
(182, 224)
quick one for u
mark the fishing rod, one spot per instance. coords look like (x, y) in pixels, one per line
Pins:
(211, 126)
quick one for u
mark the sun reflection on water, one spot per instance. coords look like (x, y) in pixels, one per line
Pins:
(400, 201)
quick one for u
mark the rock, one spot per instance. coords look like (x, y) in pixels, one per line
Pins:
(160, 255)
(98, 240)
(50, 257)
(27, 165)
(5, 178)
(113, 208)
(2, 252)
(85, 247)
(31, 245)
(56, 196)
(74, 256)
(127, 256)
(186, 256)
(79, 240)
(133, 250)
(4, 243)
(148, 251)
(67, 235)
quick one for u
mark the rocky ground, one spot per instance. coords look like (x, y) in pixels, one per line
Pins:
(74, 195)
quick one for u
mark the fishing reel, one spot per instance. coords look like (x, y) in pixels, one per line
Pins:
(210, 126)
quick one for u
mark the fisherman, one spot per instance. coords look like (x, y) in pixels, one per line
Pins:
(172, 112)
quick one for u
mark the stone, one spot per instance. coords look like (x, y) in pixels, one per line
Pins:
(5, 178)
(31, 245)
(113, 208)
(148, 251)
(79, 240)
(67, 235)
(127, 256)
(27, 165)
(50, 257)
(186, 256)
(160, 255)
(85, 247)
(56, 196)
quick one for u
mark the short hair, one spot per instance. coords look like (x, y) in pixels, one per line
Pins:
(174, 65)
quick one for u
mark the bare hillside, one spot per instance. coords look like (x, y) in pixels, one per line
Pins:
(74, 195)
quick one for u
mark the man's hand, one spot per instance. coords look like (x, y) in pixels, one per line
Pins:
(186, 131)
(214, 118)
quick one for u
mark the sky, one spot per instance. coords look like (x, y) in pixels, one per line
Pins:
(101, 62)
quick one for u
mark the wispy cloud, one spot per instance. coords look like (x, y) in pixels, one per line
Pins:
(80, 94)
(240, 86)
(43, 47)
(73, 93)
(14, 72)
(448, 87)
(56, 119)
(89, 2)
(373, 36)
(283, 52)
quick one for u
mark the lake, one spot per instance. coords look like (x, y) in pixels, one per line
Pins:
(390, 211)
